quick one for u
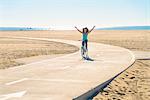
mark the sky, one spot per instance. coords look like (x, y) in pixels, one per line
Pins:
(70, 13)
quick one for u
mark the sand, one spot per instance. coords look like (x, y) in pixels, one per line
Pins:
(134, 40)
(14, 51)
(134, 83)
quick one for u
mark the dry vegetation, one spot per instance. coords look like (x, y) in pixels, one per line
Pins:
(11, 49)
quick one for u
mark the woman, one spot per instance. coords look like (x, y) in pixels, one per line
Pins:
(85, 33)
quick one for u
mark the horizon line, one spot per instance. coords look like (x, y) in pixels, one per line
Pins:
(70, 28)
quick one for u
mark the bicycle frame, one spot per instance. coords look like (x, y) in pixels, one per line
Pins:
(84, 51)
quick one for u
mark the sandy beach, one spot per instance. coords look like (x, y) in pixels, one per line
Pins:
(133, 84)
(15, 52)
(75, 50)
(133, 40)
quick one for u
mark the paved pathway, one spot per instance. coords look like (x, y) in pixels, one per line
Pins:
(145, 55)
(65, 77)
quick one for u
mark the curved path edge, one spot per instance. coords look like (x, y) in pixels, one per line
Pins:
(109, 60)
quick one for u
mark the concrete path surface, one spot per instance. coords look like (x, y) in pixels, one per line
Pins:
(65, 77)
(145, 55)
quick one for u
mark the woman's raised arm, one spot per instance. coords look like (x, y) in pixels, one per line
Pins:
(78, 29)
(91, 29)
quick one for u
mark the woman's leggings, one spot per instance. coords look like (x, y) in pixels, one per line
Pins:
(85, 43)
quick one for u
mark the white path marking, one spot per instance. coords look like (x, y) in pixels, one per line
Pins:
(12, 95)
(50, 80)
(61, 80)
(14, 82)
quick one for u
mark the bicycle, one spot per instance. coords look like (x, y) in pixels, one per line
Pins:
(84, 52)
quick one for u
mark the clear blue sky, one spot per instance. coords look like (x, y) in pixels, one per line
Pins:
(68, 13)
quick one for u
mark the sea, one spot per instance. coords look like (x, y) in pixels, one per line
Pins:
(21, 29)
(109, 28)
(127, 28)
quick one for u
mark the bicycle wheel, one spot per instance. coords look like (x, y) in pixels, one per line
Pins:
(82, 52)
